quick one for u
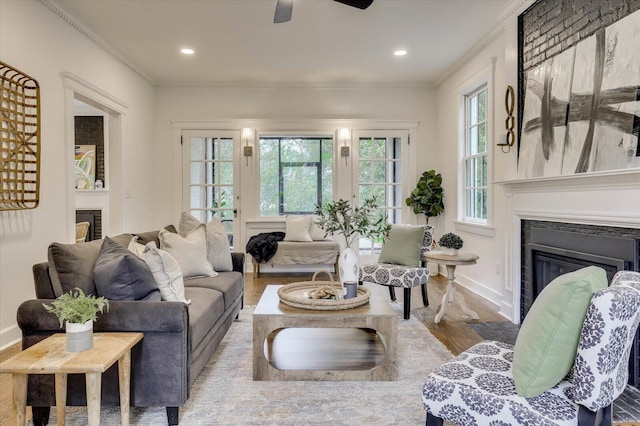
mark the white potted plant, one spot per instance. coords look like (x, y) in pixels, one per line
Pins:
(450, 243)
(77, 312)
(353, 223)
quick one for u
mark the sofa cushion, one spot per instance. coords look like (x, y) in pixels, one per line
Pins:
(207, 305)
(166, 273)
(297, 228)
(218, 251)
(71, 265)
(403, 245)
(146, 237)
(230, 284)
(119, 274)
(190, 252)
(547, 342)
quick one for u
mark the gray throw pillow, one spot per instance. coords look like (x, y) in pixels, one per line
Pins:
(120, 275)
(403, 245)
(71, 265)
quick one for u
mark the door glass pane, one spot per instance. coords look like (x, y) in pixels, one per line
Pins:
(379, 172)
(380, 148)
(226, 150)
(226, 173)
(197, 148)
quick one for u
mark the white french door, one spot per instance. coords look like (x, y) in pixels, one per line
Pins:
(380, 159)
(210, 177)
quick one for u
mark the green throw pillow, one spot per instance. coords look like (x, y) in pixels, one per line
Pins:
(545, 349)
(403, 245)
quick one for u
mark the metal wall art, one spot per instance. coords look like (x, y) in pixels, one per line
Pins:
(20, 140)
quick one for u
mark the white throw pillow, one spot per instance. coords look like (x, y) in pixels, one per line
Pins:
(218, 251)
(297, 228)
(166, 272)
(317, 233)
(135, 247)
(190, 252)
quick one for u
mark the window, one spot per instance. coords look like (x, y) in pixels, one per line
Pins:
(210, 176)
(475, 158)
(296, 173)
(380, 175)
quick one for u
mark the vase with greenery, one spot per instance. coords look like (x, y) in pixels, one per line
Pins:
(427, 197)
(450, 243)
(77, 311)
(353, 223)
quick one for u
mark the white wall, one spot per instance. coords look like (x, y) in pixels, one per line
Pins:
(36, 41)
(608, 198)
(282, 108)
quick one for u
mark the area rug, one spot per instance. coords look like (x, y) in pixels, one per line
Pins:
(224, 393)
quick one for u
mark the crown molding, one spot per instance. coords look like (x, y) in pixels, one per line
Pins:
(76, 24)
(296, 85)
(516, 7)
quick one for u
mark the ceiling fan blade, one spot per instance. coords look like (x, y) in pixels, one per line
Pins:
(284, 8)
(360, 4)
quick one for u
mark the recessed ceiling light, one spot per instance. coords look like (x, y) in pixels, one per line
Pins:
(187, 51)
(400, 52)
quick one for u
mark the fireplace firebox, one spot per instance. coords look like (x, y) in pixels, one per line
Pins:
(550, 249)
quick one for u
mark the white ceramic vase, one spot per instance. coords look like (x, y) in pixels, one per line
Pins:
(450, 251)
(79, 336)
(349, 266)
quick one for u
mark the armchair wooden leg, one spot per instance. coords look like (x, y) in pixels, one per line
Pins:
(407, 303)
(433, 420)
(425, 299)
(392, 293)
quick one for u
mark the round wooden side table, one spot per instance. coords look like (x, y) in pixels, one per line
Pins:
(451, 295)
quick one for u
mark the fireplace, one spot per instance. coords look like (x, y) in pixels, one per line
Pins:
(94, 217)
(550, 249)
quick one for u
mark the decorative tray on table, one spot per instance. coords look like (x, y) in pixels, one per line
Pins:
(321, 295)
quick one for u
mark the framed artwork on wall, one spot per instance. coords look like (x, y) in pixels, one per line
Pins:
(85, 166)
(581, 108)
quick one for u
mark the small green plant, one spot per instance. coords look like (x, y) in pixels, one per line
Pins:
(77, 307)
(450, 240)
(366, 221)
(427, 196)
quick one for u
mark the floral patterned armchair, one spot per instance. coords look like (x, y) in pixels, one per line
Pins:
(477, 387)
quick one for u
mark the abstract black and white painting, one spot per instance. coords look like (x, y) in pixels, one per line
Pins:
(595, 126)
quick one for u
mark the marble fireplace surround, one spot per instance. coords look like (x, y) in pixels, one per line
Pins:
(606, 199)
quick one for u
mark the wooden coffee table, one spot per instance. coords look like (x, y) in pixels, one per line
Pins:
(322, 328)
(50, 356)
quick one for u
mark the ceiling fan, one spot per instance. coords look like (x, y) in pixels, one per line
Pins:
(285, 7)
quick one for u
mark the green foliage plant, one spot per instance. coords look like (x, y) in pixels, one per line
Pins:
(427, 196)
(365, 221)
(450, 240)
(77, 307)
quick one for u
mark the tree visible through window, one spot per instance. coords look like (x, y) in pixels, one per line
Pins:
(380, 175)
(475, 156)
(296, 173)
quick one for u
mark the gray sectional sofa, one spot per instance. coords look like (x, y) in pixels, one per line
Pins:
(179, 339)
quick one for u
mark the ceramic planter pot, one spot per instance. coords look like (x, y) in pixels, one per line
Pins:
(450, 251)
(79, 336)
(349, 266)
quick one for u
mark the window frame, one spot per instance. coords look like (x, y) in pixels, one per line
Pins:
(467, 157)
(483, 79)
(322, 137)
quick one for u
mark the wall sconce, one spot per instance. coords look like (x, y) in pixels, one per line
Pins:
(510, 137)
(344, 136)
(247, 137)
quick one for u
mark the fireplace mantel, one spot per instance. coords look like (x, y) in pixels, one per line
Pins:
(607, 198)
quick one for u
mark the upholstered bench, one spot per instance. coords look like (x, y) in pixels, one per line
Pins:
(324, 252)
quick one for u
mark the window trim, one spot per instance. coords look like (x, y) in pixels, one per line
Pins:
(483, 77)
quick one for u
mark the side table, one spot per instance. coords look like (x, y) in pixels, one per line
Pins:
(451, 295)
(50, 356)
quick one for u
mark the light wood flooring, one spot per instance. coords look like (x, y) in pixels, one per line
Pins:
(453, 331)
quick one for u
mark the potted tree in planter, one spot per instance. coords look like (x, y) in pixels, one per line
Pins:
(450, 243)
(353, 223)
(427, 196)
(79, 311)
